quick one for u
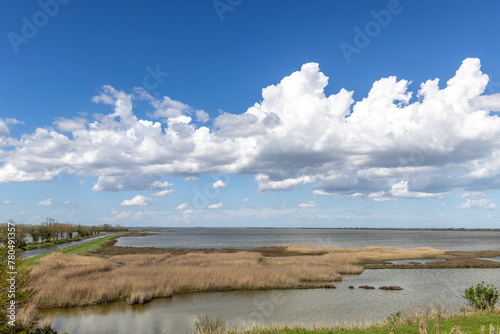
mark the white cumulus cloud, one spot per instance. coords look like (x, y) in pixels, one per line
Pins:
(307, 205)
(163, 186)
(478, 203)
(202, 116)
(391, 144)
(4, 126)
(219, 184)
(215, 206)
(46, 202)
(138, 200)
(163, 193)
(182, 206)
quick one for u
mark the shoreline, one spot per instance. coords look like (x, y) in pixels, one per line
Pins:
(67, 279)
(47, 244)
(453, 259)
(152, 228)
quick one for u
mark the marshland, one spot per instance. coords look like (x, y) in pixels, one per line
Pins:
(126, 283)
(75, 280)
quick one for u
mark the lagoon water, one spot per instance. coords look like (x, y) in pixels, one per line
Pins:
(308, 307)
(343, 238)
(302, 307)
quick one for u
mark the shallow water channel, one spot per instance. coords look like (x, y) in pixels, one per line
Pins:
(307, 307)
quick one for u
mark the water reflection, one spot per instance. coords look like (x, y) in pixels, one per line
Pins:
(301, 307)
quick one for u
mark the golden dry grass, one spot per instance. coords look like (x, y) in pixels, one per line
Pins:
(73, 280)
(355, 255)
(368, 253)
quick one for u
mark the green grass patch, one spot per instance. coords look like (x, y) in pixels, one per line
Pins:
(81, 249)
(52, 242)
(87, 247)
(468, 324)
(457, 322)
(34, 259)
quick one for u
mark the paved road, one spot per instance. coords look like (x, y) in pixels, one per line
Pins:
(60, 246)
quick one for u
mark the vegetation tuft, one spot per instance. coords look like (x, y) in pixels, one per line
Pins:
(366, 287)
(206, 325)
(482, 297)
(391, 287)
(425, 321)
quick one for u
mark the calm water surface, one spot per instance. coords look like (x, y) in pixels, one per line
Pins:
(176, 315)
(308, 307)
(343, 238)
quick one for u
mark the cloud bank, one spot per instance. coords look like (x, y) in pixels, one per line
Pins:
(391, 144)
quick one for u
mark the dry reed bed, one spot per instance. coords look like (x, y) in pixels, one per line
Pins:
(357, 255)
(72, 280)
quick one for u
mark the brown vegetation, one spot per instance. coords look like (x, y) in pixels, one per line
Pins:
(357, 256)
(368, 253)
(72, 280)
(366, 287)
(391, 287)
(453, 260)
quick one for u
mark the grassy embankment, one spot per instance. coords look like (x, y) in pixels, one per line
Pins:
(81, 249)
(45, 244)
(427, 322)
(67, 278)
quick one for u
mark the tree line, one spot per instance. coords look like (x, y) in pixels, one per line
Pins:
(51, 229)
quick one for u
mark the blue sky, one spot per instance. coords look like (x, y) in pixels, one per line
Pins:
(250, 113)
